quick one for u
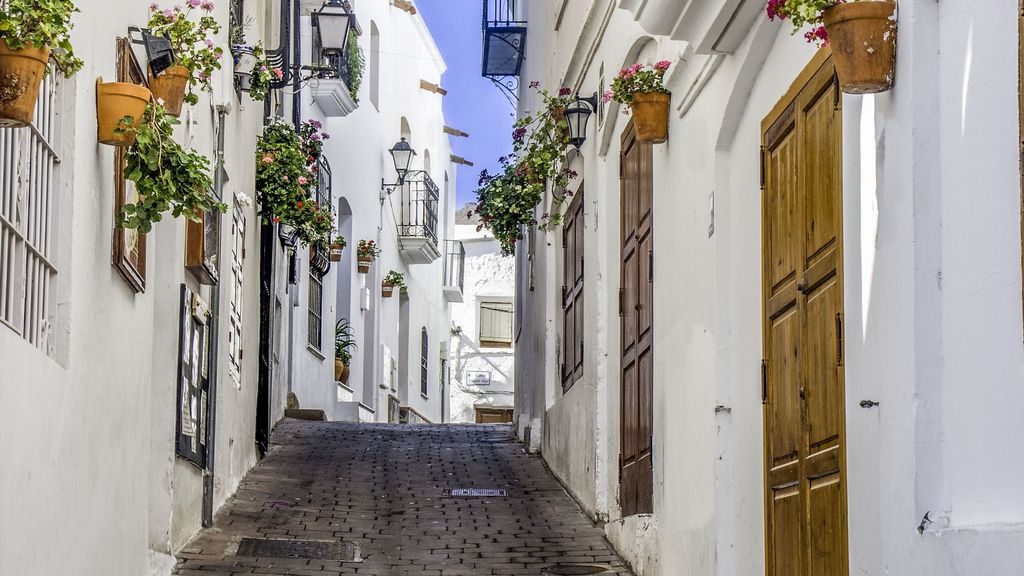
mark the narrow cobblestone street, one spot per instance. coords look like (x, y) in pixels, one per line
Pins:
(381, 494)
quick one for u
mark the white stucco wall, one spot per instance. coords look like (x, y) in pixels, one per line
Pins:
(90, 469)
(933, 325)
(490, 277)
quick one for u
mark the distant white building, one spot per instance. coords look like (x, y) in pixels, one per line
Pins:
(482, 357)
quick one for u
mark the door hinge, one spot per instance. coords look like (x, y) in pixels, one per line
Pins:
(621, 295)
(839, 338)
(650, 266)
(764, 381)
(837, 93)
(764, 175)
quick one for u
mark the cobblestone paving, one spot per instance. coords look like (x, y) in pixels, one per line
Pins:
(383, 489)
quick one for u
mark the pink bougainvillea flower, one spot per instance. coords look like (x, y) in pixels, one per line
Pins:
(207, 5)
(278, 73)
(302, 180)
(564, 91)
(268, 159)
(776, 9)
(663, 65)
(608, 96)
(817, 34)
(518, 134)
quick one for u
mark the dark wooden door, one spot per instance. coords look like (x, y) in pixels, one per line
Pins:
(572, 293)
(636, 478)
(805, 479)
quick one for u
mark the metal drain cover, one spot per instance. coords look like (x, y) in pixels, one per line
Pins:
(574, 570)
(478, 492)
(303, 549)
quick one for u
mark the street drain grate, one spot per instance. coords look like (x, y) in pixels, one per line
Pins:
(574, 570)
(477, 492)
(302, 549)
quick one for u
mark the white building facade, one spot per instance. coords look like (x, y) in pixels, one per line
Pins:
(918, 317)
(483, 359)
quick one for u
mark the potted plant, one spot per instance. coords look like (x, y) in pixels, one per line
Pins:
(506, 201)
(337, 247)
(254, 72)
(344, 343)
(862, 35)
(366, 252)
(116, 102)
(391, 281)
(286, 181)
(166, 175)
(34, 34)
(642, 88)
(196, 55)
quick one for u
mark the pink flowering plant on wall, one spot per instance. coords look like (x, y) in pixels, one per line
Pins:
(192, 39)
(803, 13)
(638, 79)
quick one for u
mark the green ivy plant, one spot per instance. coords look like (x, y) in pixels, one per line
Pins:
(41, 23)
(167, 176)
(286, 180)
(356, 64)
(261, 75)
(192, 41)
(506, 201)
(344, 341)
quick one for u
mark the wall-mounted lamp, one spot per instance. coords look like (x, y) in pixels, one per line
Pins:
(402, 154)
(331, 24)
(158, 48)
(578, 115)
(288, 235)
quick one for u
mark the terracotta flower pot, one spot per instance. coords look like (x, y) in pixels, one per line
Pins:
(336, 252)
(650, 116)
(364, 264)
(344, 375)
(340, 371)
(21, 72)
(387, 290)
(114, 101)
(169, 88)
(863, 39)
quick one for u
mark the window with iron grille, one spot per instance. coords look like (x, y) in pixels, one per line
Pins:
(316, 301)
(496, 324)
(424, 362)
(29, 205)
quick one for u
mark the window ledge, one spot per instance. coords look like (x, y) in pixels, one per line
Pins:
(316, 352)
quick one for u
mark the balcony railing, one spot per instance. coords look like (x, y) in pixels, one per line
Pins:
(417, 218)
(454, 269)
(504, 37)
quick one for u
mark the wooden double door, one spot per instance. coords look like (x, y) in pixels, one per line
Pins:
(636, 312)
(803, 388)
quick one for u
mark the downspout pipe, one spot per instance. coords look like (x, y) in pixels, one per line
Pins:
(214, 351)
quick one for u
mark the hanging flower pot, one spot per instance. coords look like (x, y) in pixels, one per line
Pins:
(364, 264)
(21, 72)
(863, 39)
(387, 290)
(337, 248)
(114, 101)
(650, 116)
(169, 88)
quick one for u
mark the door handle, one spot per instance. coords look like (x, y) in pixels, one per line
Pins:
(801, 287)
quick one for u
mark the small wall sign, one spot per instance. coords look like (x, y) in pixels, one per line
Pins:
(478, 377)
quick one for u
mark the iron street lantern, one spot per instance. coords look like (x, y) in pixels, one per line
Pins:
(402, 154)
(332, 23)
(578, 115)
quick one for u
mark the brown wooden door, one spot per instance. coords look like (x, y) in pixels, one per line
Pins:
(572, 293)
(636, 479)
(806, 533)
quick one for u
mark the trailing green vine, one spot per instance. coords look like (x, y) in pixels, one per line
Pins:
(167, 176)
(356, 64)
(507, 201)
(39, 23)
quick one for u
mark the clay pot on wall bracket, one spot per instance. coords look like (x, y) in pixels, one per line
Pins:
(336, 251)
(650, 116)
(364, 264)
(21, 72)
(863, 39)
(169, 88)
(386, 290)
(114, 101)
(340, 371)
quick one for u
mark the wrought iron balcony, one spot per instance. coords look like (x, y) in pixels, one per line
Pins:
(417, 218)
(504, 30)
(454, 270)
(332, 87)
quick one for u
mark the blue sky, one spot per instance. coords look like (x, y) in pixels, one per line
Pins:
(473, 103)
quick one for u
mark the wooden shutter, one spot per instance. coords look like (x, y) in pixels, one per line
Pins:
(804, 421)
(572, 293)
(636, 479)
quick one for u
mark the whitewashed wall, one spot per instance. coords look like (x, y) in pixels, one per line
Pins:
(489, 277)
(933, 291)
